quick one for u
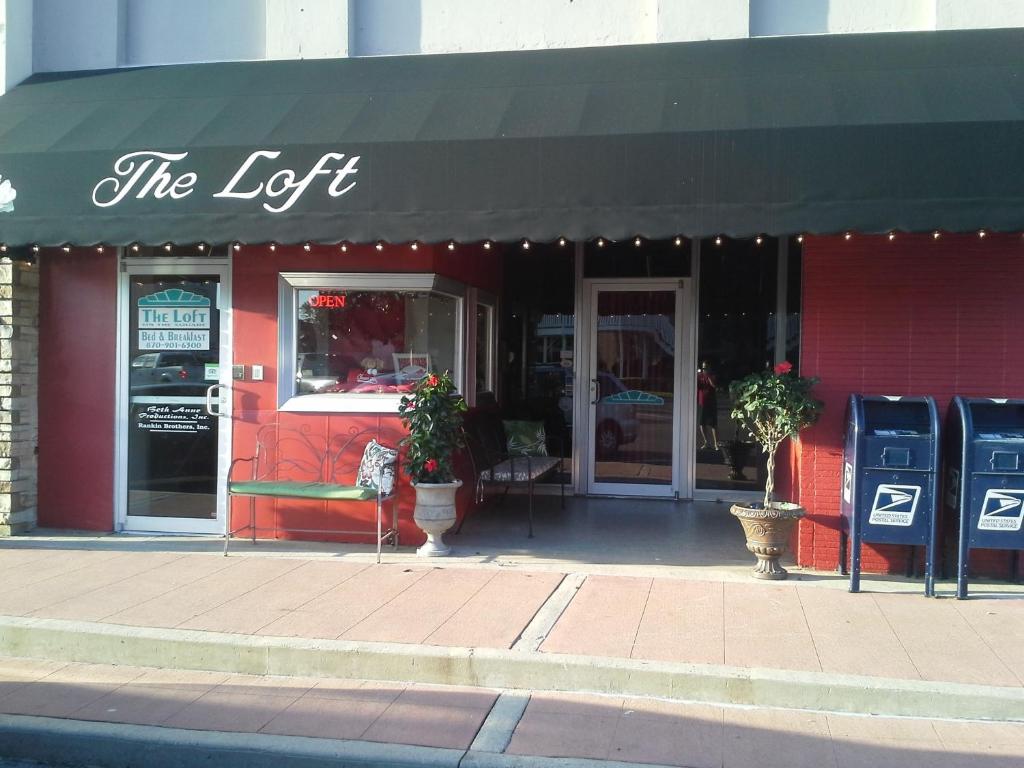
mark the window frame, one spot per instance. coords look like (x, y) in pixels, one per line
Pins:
(289, 285)
(480, 298)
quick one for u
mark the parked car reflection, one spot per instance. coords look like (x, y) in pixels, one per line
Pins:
(169, 374)
(617, 423)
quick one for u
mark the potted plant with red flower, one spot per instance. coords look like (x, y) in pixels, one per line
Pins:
(772, 405)
(433, 415)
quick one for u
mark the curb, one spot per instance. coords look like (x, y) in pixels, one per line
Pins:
(111, 745)
(60, 640)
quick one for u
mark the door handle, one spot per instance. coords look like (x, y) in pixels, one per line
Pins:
(597, 391)
(210, 399)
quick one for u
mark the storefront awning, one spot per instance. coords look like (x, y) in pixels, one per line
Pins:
(908, 131)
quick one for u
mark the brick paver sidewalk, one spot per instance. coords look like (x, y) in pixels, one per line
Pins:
(802, 626)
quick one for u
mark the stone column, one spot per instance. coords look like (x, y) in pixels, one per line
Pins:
(19, 386)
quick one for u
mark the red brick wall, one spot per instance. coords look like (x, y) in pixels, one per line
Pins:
(912, 316)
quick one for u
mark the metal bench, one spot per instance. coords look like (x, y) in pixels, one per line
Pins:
(295, 464)
(493, 464)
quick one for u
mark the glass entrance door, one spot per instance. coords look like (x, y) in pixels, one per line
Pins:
(635, 373)
(174, 426)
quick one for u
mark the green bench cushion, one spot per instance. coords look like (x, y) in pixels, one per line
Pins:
(298, 490)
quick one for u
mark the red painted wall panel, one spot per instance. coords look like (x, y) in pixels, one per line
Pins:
(77, 362)
(912, 316)
(255, 297)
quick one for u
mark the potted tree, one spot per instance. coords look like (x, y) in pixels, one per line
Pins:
(771, 405)
(433, 415)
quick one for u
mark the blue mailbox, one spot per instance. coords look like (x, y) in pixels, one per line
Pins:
(890, 486)
(985, 477)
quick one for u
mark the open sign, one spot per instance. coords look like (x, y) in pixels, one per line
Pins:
(327, 301)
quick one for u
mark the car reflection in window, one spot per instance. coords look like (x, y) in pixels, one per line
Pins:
(616, 422)
(168, 374)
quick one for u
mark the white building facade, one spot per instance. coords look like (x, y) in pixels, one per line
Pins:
(65, 35)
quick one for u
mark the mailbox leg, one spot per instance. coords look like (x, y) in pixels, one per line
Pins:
(929, 571)
(963, 563)
(841, 567)
(855, 563)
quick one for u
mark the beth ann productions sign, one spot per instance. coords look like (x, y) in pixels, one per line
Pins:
(174, 319)
(158, 175)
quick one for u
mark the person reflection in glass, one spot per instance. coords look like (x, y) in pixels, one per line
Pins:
(707, 405)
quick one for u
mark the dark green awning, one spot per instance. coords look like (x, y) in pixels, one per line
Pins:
(905, 131)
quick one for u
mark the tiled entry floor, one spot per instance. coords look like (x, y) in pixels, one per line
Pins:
(607, 531)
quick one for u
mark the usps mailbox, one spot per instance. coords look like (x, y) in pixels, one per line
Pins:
(985, 477)
(890, 478)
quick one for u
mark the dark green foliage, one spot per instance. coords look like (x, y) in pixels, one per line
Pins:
(433, 416)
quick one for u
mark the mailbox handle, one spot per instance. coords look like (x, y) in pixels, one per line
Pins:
(1006, 461)
(895, 457)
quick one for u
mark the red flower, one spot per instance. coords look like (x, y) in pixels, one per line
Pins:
(430, 465)
(784, 367)
(432, 380)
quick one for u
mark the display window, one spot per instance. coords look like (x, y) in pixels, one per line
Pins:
(358, 342)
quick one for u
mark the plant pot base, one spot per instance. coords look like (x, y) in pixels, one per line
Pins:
(434, 547)
(768, 568)
(768, 531)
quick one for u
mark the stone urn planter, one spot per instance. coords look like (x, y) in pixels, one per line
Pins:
(434, 513)
(768, 531)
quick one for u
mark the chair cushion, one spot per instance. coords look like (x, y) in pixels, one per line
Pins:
(378, 463)
(299, 490)
(525, 438)
(520, 470)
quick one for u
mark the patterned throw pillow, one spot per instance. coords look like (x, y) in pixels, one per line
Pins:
(378, 461)
(525, 438)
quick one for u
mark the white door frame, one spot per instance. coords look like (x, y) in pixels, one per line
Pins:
(683, 407)
(157, 266)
